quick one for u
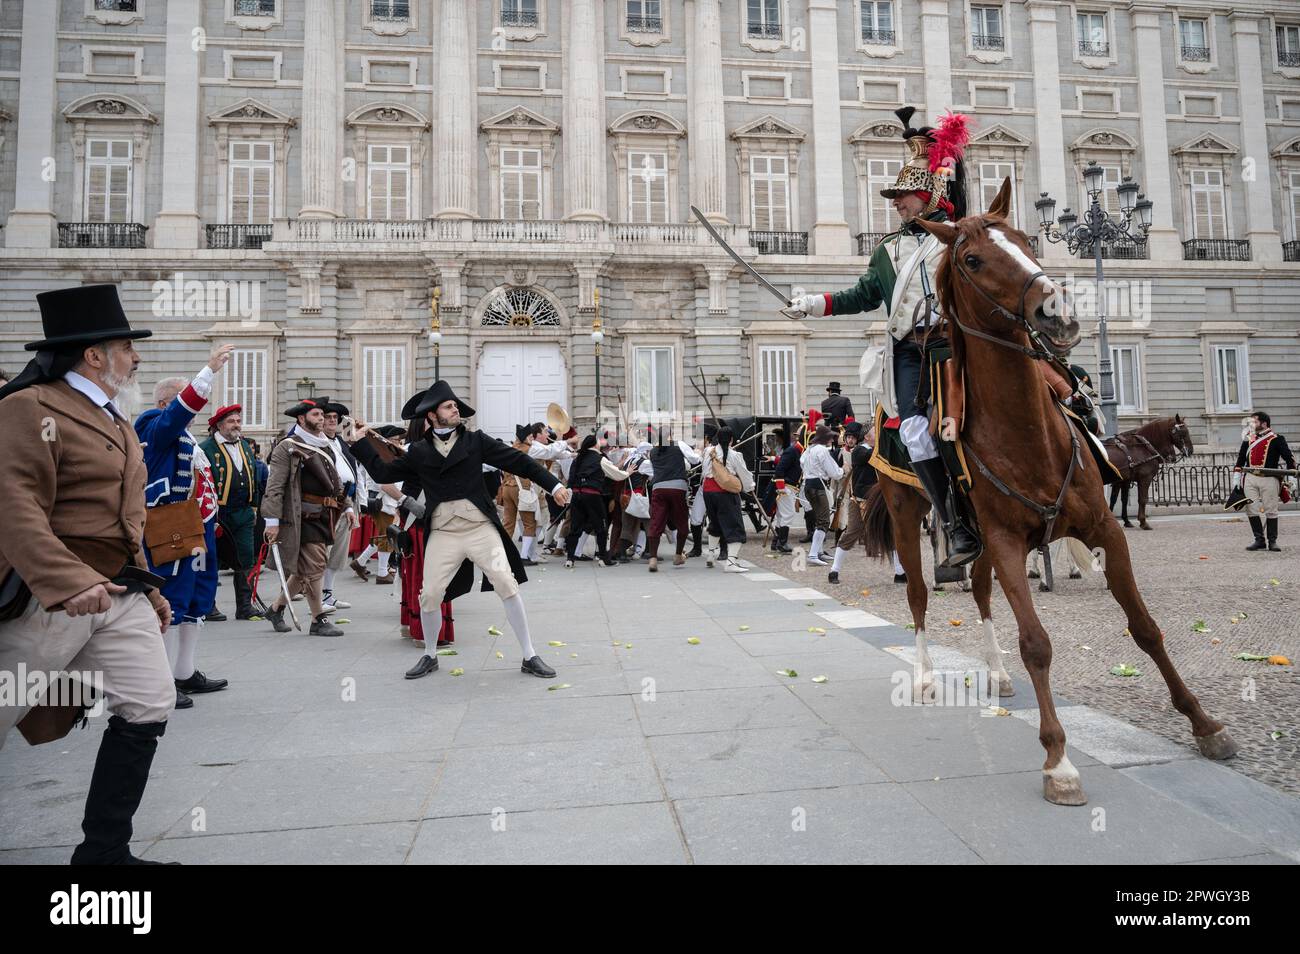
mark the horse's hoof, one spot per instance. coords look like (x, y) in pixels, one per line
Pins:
(1063, 791)
(1143, 526)
(1044, 588)
(1076, 575)
(1127, 525)
(1033, 574)
(1218, 746)
(1005, 689)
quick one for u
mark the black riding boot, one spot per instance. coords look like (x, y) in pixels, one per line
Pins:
(1257, 525)
(963, 545)
(116, 787)
(697, 541)
(243, 596)
(810, 524)
(782, 542)
(1271, 524)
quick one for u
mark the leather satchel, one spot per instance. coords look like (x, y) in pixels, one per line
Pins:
(725, 478)
(45, 722)
(173, 531)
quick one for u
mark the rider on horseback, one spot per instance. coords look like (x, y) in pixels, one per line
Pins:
(930, 185)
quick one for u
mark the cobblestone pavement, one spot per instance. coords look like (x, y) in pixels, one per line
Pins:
(1190, 569)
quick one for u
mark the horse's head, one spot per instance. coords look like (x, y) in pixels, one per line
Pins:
(995, 280)
(1181, 436)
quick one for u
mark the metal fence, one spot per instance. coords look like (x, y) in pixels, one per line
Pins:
(1190, 484)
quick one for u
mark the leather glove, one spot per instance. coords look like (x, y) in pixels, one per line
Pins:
(814, 305)
(414, 506)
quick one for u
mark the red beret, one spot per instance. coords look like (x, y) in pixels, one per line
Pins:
(229, 409)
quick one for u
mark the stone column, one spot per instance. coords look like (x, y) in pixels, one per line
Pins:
(177, 224)
(1049, 132)
(320, 128)
(583, 134)
(936, 52)
(707, 137)
(457, 134)
(830, 230)
(1257, 173)
(1163, 241)
(31, 223)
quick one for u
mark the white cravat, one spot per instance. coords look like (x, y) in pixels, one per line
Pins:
(236, 457)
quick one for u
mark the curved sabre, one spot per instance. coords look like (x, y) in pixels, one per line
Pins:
(708, 227)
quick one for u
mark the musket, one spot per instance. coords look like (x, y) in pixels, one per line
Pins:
(284, 586)
(1272, 472)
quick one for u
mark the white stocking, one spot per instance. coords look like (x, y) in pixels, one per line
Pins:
(364, 556)
(327, 581)
(187, 643)
(171, 644)
(839, 559)
(819, 537)
(514, 607)
(526, 550)
(431, 623)
(383, 562)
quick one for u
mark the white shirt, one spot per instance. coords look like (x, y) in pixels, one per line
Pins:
(818, 462)
(555, 450)
(94, 392)
(236, 457)
(734, 463)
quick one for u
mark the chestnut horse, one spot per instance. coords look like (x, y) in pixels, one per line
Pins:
(1032, 476)
(1140, 453)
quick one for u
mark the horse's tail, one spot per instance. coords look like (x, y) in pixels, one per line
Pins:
(877, 525)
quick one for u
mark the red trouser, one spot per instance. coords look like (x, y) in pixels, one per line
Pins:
(667, 507)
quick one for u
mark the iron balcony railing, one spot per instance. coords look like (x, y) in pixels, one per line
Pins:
(519, 18)
(238, 235)
(390, 11)
(1291, 251)
(987, 41)
(1094, 48)
(779, 243)
(255, 8)
(645, 24)
(116, 6)
(867, 241)
(1216, 250)
(101, 235)
(1288, 57)
(1124, 250)
(764, 31)
(1196, 54)
(880, 37)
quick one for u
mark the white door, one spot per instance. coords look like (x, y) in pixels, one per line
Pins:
(516, 381)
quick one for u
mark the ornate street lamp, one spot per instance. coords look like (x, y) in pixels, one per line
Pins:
(597, 336)
(435, 331)
(306, 388)
(1099, 227)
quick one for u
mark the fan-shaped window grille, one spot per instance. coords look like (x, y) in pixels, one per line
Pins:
(520, 308)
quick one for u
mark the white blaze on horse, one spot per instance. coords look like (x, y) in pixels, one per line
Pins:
(1032, 481)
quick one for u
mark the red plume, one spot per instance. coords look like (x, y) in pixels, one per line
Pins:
(950, 139)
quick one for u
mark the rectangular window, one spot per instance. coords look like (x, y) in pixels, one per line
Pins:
(519, 13)
(1288, 45)
(986, 28)
(1288, 109)
(652, 82)
(396, 10)
(252, 178)
(881, 174)
(1127, 377)
(390, 72)
(996, 97)
(1193, 37)
(383, 383)
(108, 180)
(263, 67)
(1231, 377)
(778, 392)
(114, 63)
(878, 22)
(1209, 217)
(647, 174)
(255, 8)
(1091, 28)
(521, 184)
(519, 77)
(389, 172)
(244, 384)
(653, 384)
(764, 19)
(644, 16)
(1294, 199)
(119, 6)
(769, 193)
(991, 176)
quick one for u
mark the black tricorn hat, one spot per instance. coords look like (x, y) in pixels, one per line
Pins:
(82, 315)
(391, 431)
(333, 406)
(302, 407)
(426, 401)
(853, 429)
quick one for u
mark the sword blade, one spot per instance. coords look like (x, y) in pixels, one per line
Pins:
(708, 227)
(284, 586)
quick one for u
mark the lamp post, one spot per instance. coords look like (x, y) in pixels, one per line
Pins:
(597, 336)
(722, 386)
(435, 331)
(306, 388)
(1098, 226)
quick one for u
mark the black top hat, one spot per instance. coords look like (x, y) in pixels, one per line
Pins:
(302, 407)
(82, 315)
(834, 386)
(441, 391)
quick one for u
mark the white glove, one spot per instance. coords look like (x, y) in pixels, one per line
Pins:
(1236, 480)
(814, 305)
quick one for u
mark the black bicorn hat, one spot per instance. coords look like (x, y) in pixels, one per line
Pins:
(426, 401)
(82, 315)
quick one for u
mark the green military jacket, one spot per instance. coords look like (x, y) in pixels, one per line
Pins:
(876, 286)
(223, 471)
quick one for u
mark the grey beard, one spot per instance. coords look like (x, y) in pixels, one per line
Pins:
(128, 398)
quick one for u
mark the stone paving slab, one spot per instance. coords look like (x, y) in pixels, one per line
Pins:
(1110, 740)
(659, 752)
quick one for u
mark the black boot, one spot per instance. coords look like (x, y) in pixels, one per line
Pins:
(697, 541)
(1258, 526)
(1271, 524)
(116, 787)
(785, 541)
(243, 597)
(963, 545)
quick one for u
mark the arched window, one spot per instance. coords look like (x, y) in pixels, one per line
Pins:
(520, 308)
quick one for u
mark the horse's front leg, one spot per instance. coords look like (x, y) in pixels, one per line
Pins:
(982, 587)
(907, 542)
(1144, 485)
(1061, 784)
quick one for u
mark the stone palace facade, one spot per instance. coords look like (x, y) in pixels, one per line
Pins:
(302, 176)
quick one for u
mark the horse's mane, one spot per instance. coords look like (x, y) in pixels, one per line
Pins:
(1155, 430)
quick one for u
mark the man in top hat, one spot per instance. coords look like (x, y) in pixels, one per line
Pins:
(464, 529)
(837, 409)
(931, 185)
(234, 474)
(76, 592)
(354, 484)
(302, 506)
(179, 472)
(1262, 447)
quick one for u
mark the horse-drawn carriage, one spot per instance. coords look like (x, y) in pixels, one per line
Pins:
(755, 438)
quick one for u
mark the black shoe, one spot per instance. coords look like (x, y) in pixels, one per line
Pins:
(443, 642)
(900, 577)
(216, 616)
(245, 612)
(529, 562)
(583, 559)
(116, 787)
(832, 577)
(536, 667)
(276, 618)
(323, 627)
(426, 665)
(200, 683)
(183, 701)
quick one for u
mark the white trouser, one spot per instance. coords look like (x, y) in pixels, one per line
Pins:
(915, 432)
(448, 548)
(784, 507)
